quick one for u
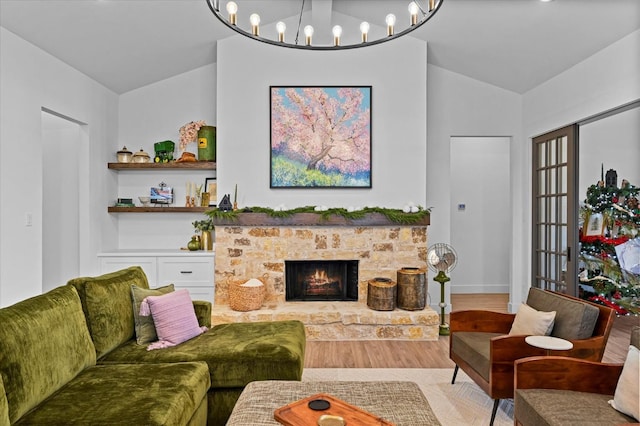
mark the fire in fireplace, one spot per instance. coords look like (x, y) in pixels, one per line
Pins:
(313, 280)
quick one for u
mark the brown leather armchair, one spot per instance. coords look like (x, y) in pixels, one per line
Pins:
(479, 343)
(547, 389)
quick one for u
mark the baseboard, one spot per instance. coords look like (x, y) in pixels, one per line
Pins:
(480, 288)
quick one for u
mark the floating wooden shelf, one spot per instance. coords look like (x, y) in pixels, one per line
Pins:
(193, 165)
(158, 209)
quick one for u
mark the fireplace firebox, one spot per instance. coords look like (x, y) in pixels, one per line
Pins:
(314, 280)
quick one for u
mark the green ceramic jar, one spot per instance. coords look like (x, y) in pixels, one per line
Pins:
(207, 143)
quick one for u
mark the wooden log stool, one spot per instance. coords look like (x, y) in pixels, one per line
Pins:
(381, 294)
(412, 288)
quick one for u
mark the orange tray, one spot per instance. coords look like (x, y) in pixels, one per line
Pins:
(298, 413)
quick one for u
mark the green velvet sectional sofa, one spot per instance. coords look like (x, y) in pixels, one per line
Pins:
(70, 356)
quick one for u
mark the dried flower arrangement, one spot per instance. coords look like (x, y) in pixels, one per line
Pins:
(189, 133)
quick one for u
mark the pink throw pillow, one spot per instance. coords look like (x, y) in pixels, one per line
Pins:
(174, 317)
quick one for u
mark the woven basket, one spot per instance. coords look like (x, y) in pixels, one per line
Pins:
(242, 298)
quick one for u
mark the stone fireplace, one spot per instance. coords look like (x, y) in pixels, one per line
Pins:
(259, 246)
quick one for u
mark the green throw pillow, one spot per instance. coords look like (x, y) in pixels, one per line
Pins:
(145, 328)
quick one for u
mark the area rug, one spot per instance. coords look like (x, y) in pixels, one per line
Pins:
(463, 403)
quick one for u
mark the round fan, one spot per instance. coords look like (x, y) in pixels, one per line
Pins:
(442, 258)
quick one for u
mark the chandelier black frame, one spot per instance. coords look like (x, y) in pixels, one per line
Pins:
(419, 16)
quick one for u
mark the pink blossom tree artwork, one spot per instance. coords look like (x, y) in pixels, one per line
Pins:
(321, 137)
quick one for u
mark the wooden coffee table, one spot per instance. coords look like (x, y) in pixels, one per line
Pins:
(401, 403)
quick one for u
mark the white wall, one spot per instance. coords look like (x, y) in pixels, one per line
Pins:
(601, 82)
(613, 141)
(153, 114)
(29, 80)
(397, 73)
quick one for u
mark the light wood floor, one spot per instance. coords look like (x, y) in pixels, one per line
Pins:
(404, 354)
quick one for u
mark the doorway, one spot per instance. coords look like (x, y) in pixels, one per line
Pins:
(481, 213)
(61, 147)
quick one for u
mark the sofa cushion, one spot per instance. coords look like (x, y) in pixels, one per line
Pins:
(4, 407)
(139, 394)
(144, 327)
(574, 319)
(236, 353)
(44, 343)
(203, 312)
(626, 399)
(174, 317)
(552, 407)
(106, 301)
(110, 316)
(474, 348)
(532, 322)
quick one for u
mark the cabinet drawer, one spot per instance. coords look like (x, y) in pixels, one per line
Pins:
(191, 272)
(116, 263)
(199, 293)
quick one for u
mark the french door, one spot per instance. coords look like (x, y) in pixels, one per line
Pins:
(555, 211)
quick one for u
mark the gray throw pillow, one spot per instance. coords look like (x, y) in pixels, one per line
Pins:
(145, 328)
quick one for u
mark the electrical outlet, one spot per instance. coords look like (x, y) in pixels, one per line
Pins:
(28, 219)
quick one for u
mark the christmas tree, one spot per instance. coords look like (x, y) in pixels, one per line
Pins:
(610, 245)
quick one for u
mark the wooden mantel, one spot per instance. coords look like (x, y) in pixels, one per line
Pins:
(314, 219)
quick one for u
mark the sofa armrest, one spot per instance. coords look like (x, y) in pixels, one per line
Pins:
(203, 312)
(558, 372)
(482, 321)
(591, 349)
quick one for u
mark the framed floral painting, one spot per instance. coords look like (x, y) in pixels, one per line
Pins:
(320, 137)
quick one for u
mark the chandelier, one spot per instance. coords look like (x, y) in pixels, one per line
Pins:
(418, 13)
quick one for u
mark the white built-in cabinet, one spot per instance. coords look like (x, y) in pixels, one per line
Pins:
(190, 270)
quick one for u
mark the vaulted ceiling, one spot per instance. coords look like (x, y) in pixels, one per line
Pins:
(513, 44)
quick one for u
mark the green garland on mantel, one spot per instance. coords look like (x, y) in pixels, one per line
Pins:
(394, 215)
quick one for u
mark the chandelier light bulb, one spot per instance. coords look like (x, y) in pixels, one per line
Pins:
(308, 33)
(364, 29)
(232, 9)
(281, 27)
(432, 5)
(413, 10)
(255, 22)
(391, 21)
(337, 32)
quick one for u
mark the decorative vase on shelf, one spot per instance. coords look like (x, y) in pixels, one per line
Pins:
(207, 143)
(194, 244)
(206, 241)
